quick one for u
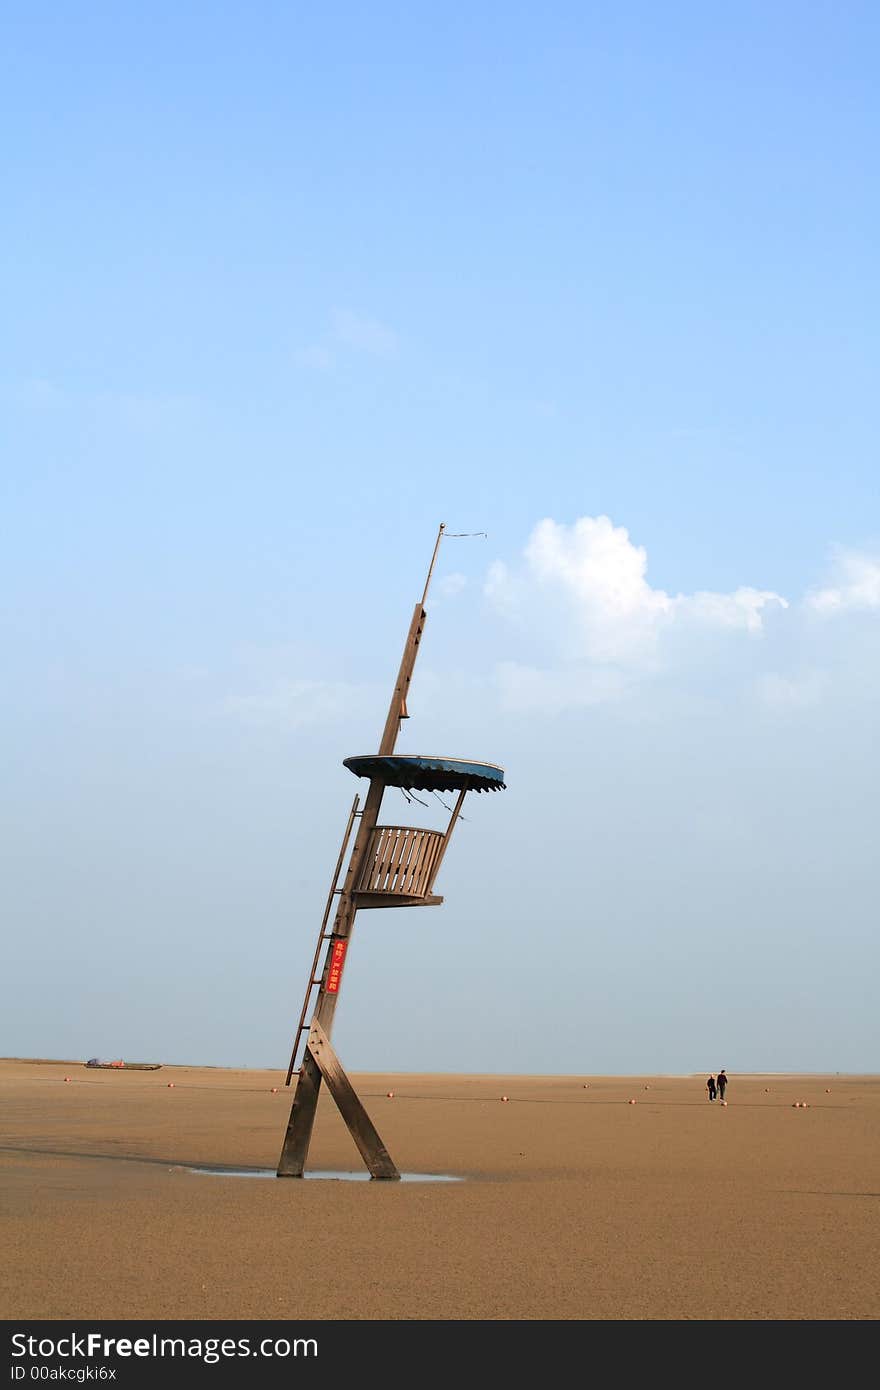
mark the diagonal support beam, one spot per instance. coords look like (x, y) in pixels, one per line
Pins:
(361, 1127)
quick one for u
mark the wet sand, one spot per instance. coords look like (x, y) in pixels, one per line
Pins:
(573, 1204)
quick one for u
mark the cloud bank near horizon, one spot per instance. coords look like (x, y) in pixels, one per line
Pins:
(592, 576)
(581, 594)
(856, 586)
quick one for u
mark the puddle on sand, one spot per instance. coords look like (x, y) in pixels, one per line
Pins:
(327, 1176)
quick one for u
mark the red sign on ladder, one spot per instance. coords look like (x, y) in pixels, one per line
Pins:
(337, 957)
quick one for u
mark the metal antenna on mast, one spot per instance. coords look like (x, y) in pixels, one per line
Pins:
(433, 560)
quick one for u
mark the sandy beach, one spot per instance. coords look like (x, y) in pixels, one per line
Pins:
(571, 1202)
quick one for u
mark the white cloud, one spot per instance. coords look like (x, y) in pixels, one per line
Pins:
(129, 408)
(318, 356)
(791, 692)
(296, 704)
(742, 609)
(451, 584)
(349, 333)
(527, 689)
(592, 577)
(363, 334)
(857, 587)
(35, 393)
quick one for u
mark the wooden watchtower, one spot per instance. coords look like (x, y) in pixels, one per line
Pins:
(389, 866)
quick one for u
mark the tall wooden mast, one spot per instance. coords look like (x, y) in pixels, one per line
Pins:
(319, 1060)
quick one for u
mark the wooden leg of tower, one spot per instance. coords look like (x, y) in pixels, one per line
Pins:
(295, 1149)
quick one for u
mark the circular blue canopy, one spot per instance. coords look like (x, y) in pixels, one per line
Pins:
(419, 773)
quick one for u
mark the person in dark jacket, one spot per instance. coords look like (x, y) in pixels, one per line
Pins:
(710, 1087)
(721, 1084)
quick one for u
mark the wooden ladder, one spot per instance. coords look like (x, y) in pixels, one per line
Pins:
(323, 935)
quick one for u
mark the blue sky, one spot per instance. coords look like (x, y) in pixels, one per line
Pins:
(282, 289)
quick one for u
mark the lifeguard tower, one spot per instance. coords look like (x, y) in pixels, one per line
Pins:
(389, 866)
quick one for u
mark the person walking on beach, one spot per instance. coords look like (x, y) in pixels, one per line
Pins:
(721, 1083)
(710, 1087)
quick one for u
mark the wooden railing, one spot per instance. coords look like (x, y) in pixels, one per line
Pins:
(402, 861)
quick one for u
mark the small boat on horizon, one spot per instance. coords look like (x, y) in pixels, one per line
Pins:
(123, 1066)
